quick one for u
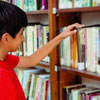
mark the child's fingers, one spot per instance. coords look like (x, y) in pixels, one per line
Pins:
(70, 27)
(81, 26)
(73, 26)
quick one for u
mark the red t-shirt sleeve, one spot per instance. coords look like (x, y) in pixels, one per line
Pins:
(7, 89)
(12, 60)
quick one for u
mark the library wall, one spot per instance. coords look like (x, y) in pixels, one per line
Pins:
(38, 18)
(90, 18)
(90, 82)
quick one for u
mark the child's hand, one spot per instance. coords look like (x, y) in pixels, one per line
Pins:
(71, 29)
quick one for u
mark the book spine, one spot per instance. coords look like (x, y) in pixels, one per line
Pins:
(94, 3)
(26, 5)
(44, 4)
(22, 4)
(38, 4)
(67, 52)
(64, 94)
(74, 51)
(62, 49)
(85, 48)
(93, 49)
(98, 68)
(98, 3)
(88, 49)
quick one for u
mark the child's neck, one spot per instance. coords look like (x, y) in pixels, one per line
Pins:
(3, 54)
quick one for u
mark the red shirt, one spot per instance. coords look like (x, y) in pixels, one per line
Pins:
(10, 88)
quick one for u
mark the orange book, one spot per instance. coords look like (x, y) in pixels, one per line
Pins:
(74, 50)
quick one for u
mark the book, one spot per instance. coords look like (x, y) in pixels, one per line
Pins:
(26, 5)
(44, 4)
(49, 92)
(66, 4)
(74, 50)
(81, 48)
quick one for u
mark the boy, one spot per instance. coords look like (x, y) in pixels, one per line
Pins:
(12, 23)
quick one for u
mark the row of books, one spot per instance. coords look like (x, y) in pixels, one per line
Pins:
(81, 92)
(35, 83)
(78, 3)
(89, 48)
(35, 37)
(82, 50)
(31, 5)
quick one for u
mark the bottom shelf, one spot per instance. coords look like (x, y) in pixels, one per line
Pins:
(86, 74)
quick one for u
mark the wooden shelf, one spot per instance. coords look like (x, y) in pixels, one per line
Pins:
(38, 12)
(91, 75)
(44, 64)
(85, 9)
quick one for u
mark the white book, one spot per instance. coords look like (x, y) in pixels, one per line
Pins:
(24, 43)
(35, 37)
(88, 64)
(77, 3)
(93, 49)
(67, 52)
(97, 2)
(29, 40)
(31, 88)
(22, 4)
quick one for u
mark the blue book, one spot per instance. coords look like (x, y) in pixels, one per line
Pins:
(99, 47)
(26, 5)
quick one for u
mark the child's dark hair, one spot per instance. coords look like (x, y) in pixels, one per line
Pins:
(12, 19)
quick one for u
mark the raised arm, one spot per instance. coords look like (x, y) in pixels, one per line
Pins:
(30, 61)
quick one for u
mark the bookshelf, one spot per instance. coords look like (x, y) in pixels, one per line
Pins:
(67, 17)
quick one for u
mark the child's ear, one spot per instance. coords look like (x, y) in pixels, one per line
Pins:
(5, 37)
